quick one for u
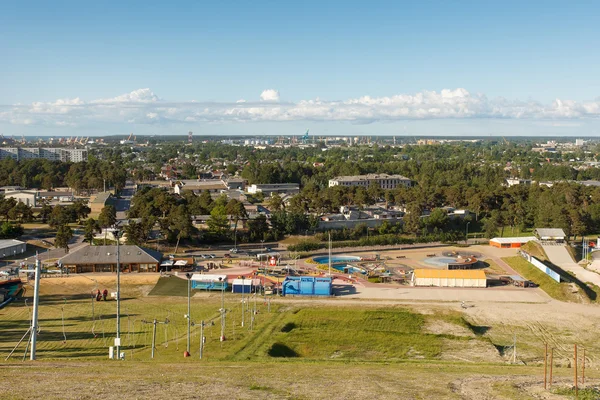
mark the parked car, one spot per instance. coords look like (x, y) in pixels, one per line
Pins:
(233, 250)
(212, 256)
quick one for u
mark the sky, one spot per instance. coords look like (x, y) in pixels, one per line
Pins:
(73, 68)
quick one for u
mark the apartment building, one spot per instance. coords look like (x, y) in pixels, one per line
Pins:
(385, 181)
(52, 154)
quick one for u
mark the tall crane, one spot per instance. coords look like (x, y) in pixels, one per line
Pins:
(305, 137)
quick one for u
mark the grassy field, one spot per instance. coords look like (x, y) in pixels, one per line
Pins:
(298, 350)
(536, 250)
(559, 291)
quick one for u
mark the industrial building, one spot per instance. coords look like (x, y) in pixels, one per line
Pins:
(104, 259)
(269, 188)
(209, 282)
(52, 154)
(449, 278)
(385, 181)
(511, 242)
(12, 247)
(307, 286)
(550, 234)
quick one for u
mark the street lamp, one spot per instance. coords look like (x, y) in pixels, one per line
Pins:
(222, 337)
(243, 305)
(188, 316)
(467, 233)
(117, 234)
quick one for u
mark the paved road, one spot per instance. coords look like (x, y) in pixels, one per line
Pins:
(123, 204)
(559, 255)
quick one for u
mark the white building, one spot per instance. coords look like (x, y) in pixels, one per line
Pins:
(268, 188)
(52, 154)
(518, 181)
(12, 247)
(29, 197)
(449, 278)
(385, 181)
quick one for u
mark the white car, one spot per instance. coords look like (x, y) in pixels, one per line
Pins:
(234, 250)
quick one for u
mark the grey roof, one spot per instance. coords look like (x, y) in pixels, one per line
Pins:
(367, 177)
(128, 254)
(4, 244)
(550, 232)
(102, 197)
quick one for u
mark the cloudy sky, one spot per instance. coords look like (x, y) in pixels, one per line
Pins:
(393, 68)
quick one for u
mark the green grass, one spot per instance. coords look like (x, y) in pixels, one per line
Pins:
(536, 250)
(170, 286)
(558, 291)
(300, 350)
(345, 333)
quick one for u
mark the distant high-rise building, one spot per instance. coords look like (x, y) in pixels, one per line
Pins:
(52, 153)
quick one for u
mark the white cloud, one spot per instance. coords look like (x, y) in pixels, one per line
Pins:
(144, 107)
(269, 95)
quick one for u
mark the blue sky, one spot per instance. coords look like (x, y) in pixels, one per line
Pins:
(79, 68)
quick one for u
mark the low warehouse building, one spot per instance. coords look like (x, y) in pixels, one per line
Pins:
(550, 234)
(306, 286)
(12, 247)
(104, 259)
(449, 278)
(511, 242)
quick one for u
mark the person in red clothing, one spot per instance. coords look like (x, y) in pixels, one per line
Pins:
(104, 294)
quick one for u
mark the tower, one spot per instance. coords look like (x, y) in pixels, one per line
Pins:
(190, 137)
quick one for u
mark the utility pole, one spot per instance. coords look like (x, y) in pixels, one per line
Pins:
(201, 339)
(188, 316)
(545, 366)
(36, 301)
(154, 323)
(575, 370)
(583, 371)
(222, 337)
(551, 361)
(515, 348)
(118, 338)
(330, 253)
(243, 290)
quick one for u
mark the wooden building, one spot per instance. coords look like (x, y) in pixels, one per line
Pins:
(104, 259)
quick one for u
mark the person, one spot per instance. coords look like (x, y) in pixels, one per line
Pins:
(104, 294)
(98, 295)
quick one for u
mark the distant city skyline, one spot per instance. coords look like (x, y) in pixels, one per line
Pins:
(336, 68)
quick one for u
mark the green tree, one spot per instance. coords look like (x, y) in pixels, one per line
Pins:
(218, 223)
(275, 202)
(45, 212)
(7, 204)
(21, 212)
(181, 224)
(107, 217)
(63, 235)
(91, 228)
(258, 228)
(58, 217)
(80, 210)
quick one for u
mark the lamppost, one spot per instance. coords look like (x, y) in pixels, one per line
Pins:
(223, 281)
(118, 338)
(467, 233)
(188, 316)
(243, 305)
